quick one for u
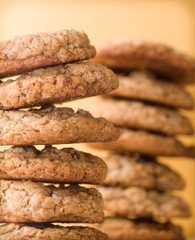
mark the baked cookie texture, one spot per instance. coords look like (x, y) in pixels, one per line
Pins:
(140, 203)
(51, 125)
(152, 80)
(145, 86)
(26, 201)
(25, 53)
(159, 58)
(51, 165)
(48, 231)
(147, 143)
(119, 228)
(57, 84)
(38, 187)
(131, 169)
(139, 115)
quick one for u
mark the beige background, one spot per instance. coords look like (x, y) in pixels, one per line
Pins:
(172, 22)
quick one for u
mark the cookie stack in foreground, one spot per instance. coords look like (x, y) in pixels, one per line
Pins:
(28, 205)
(145, 108)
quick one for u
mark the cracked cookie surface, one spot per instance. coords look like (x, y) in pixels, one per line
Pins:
(26, 201)
(57, 84)
(66, 165)
(50, 125)
(25, 53)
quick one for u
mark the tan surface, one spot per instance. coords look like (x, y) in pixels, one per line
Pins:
(147, 143)
(160, 58)
(140, 203)
(126, 170)
(139, 115)
(51, 165)
(23, 53)
(52, 125)
(50, 232)
(125, 229)
(143, 85)
(33, 202)
(57, 84)
(144, 19)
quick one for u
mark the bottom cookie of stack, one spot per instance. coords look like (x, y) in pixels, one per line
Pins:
(13, 231)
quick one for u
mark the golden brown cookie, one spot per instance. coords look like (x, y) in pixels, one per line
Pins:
(147, 143)
(26, 201)
(25, 53)
(57, 84)
(143, 85)
(51, 165)
(140, 203)
(45, 231)
(125, 229)
(139, 115)
(126, 169)
(52, 125)
(159, 58)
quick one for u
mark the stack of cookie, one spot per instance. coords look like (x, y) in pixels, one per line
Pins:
(32, 187)
(145, 108)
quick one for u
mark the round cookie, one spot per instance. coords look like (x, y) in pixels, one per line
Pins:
(126, 169)
(42, 231)
(24, 53)
(147, 143)
(52, 125)
(51, 165)
(140, 203)
(159, 58)
(143, 85)
(125, 229)
(57, 84)
(26, 201)
(139, 115)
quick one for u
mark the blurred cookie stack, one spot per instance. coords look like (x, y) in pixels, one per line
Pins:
(145, 108)
(30, 198)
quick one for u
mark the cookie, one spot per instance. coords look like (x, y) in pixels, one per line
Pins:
(143, 85)
(52, 125)
(42, 231)
(159, 58)
(51, 165)
(147, 143)
(139, 115)
(140, 203)
(126, 169)
(124, 229)
(57, 84)
(24, 53)
(26, 201)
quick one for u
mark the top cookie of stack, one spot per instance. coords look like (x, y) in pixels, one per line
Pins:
(159, 58)
(41, 84)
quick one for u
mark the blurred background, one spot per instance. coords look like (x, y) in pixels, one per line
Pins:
(167, 21)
